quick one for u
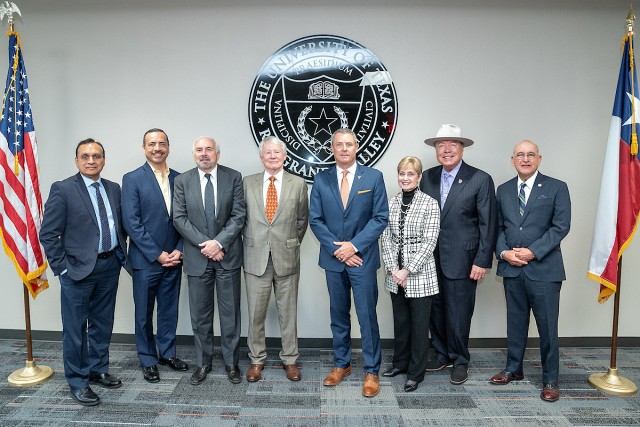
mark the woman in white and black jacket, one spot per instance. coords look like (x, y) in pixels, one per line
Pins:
(408, 243)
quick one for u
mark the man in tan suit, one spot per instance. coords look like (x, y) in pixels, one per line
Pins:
(277, 214)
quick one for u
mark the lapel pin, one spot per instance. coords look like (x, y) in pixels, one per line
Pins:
(359, 176)
(459, 181)
(539, 185)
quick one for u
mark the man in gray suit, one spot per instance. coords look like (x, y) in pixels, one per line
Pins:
(209, 212)
(465, 246)
(277, 215)
(534, 215)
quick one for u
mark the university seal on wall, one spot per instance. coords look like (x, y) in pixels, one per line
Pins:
(316, 85)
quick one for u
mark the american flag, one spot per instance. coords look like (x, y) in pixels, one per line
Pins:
(20, 198)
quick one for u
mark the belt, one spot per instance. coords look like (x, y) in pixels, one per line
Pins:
(105, 255)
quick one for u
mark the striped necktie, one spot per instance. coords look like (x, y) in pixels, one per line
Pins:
(522, 203)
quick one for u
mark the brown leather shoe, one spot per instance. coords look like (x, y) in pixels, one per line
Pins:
(371, 386)
(293, 372)
(336, 376)
(505, 377)
(550, 393)
(254, 373)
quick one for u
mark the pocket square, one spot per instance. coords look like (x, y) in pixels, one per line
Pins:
(363, 191)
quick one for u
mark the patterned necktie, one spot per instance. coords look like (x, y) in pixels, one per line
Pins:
(105, 233)
(210, 206)
(344, 188)
(521, 199)
(445, 188)
(272, 199)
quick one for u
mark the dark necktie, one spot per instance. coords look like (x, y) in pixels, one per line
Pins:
(521, 199)
(210, 206)
(104, 221)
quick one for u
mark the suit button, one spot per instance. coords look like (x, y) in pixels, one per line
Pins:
(520, 228)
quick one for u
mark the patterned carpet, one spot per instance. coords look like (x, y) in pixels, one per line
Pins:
(275, 401)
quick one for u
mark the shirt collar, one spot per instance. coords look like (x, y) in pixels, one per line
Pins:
(278, 176)
(89, 182)
(454, 171)
(214, 174)
(529, 182)
(158, 171)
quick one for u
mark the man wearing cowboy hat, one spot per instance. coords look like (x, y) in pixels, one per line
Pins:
(468, 230)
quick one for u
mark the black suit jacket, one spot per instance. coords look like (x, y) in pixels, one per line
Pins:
(70, 232)
(468, 220)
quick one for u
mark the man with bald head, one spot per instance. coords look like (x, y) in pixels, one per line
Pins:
(534, 215)
(209, 212)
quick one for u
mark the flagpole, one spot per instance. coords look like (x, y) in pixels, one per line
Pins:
(31, 374)
(611, 382)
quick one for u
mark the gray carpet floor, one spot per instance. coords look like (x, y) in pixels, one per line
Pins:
(275, 401)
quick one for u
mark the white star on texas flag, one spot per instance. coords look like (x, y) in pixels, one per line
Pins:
(636, 103)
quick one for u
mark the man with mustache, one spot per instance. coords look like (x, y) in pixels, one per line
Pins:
(209, 212)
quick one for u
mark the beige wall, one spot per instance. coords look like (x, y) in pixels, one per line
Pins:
(504, 70)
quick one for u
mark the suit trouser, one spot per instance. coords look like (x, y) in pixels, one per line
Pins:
(411, 333)
(285, 289)
(150, 285)
(451, 315)
(365, 297)
(543, 298)
(226, 284)
(88, 307)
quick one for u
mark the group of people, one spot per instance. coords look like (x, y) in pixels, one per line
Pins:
(438, 236)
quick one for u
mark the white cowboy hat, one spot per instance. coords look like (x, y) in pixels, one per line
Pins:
(448, 132)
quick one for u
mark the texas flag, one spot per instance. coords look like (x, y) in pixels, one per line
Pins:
(619, 203)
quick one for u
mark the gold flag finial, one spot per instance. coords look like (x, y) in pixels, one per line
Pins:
(630, 18)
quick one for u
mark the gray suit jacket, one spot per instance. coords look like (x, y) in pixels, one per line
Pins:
(190, 221)
(546, 221)
(283, 236)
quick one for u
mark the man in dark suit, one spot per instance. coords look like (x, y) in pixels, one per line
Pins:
(209, 212)
(85, 244)
(348, 212)
(155, 252)
(534, 215)
(465, 247)
(277, 219)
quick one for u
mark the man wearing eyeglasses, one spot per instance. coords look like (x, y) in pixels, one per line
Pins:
(534, 215)
(85, 245)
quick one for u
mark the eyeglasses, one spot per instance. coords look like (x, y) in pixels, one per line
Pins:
(522, 156)
(95, 157)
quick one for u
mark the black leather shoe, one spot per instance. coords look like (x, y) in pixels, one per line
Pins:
(151, 374)
(392, 372)
(410, 386)
(85, 396)
(105, 380)
(174, 363)
(234, 374)
(459, 374)
(436, 365)
(200, 375)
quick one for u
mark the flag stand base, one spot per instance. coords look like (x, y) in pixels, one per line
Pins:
(613, 384)
(30, 375)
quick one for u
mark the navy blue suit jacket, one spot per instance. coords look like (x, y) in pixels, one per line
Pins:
(361, 222)
(468, 220)
(145, 218)
(546, 221)
(70, 232)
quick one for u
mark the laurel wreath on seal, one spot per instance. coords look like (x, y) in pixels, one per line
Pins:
(312, 143)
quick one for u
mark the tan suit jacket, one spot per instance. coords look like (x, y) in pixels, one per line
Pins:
(283, 236)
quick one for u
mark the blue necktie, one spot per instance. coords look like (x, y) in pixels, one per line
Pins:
(105, 233)
(445, 187)
(210, 206)
(521, 199)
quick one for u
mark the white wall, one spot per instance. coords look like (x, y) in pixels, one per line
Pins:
(504, 70)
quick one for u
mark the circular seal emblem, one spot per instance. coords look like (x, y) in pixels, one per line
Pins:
(316, 85)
